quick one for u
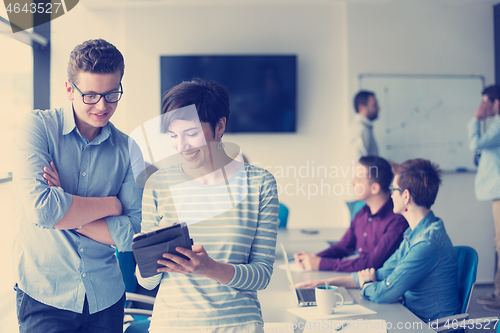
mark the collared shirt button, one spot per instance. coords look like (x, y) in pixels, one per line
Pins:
(365, 234)
(369, 219)
(84, 275)
(360, 250)
(387, 283)
(84, 174)
(81, 250)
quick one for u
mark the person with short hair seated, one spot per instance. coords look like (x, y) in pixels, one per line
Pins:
(375, 232)
(423, 271)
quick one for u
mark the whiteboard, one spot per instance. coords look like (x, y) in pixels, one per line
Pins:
(425, 116)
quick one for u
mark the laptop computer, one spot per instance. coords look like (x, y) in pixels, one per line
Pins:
(307, 296)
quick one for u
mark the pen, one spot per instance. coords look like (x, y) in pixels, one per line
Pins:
(343, 325)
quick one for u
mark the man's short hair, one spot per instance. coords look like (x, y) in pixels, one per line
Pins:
(362, 98)
(210, 98)
(421, 177)
(379, 171)
(95, 56)
(493, 92)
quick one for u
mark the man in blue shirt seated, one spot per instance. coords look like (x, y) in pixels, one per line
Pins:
(423, 271)
(77, 202)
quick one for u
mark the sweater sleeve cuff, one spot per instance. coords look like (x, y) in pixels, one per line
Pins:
(235, 281)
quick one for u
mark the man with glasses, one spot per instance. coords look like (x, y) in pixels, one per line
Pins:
(375, 232)
(78, 201)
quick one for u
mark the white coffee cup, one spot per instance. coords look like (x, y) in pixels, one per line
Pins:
(326, 299)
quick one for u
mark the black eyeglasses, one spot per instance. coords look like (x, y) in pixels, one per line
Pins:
(392, 189)
(94, 98)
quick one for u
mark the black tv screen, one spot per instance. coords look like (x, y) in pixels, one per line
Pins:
(262, 88)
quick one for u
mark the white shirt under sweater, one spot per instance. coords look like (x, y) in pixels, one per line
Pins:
(236, 222)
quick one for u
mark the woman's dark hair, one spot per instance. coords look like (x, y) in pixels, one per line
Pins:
(421, 177)
(210, 99)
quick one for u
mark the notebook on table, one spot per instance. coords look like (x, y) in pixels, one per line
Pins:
(307, 296)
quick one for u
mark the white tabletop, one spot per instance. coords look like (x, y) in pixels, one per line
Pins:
(278, 297)
(310, 240)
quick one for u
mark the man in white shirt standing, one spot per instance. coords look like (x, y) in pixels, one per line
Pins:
(362, 142)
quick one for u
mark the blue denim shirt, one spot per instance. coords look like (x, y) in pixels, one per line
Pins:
(423, 271)
(488, 171)
(60, 267)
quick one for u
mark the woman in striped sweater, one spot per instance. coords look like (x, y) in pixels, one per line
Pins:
(231, 209)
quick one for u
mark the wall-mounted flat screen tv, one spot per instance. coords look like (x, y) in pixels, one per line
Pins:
(262, 88)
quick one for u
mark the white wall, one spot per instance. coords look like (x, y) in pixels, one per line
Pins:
(335, 42)
(316, 33)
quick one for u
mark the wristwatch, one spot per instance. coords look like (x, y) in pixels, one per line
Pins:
(367, 281)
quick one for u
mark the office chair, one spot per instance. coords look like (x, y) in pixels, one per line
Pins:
(137, 307)
(282, 216)
(141, 326)
(467, 270)
(355, 207)
(126, 262)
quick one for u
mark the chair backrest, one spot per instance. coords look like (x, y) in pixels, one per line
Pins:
(138, 327)
(467, 270)
(139, 323)
(354, 207)
(127, 266)
(282, 216)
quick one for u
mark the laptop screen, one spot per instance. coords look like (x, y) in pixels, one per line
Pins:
(289, 272)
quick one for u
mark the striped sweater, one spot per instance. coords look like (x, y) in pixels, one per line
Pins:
(236, 222)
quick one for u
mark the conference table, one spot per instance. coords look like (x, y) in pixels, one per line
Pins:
(278, 297)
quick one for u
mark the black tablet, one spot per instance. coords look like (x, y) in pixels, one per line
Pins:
(149, 247)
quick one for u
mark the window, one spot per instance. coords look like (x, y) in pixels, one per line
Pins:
(16, 95)
(20, 51)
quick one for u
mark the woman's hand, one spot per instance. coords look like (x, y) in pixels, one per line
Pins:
(199, 263)
(51, 175)
(366, 275)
